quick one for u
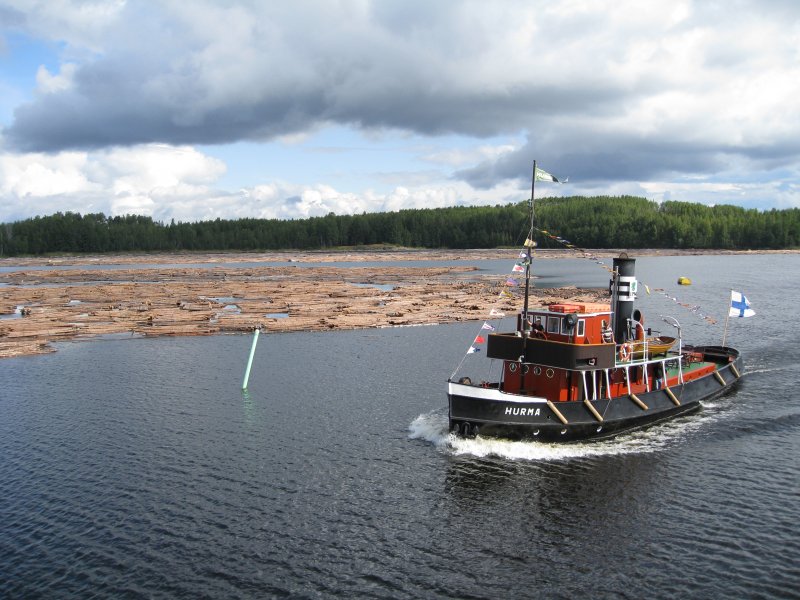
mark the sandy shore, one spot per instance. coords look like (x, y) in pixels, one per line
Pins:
(41, 306)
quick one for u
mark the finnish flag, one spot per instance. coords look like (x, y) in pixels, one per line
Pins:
(740, 306)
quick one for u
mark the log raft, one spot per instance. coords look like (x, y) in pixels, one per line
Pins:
(61, 305)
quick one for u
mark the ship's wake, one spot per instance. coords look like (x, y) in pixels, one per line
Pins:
(432, 427)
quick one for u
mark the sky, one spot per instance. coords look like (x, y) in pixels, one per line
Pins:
(229, 109)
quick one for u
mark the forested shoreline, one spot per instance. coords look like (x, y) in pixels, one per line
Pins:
(589, 222)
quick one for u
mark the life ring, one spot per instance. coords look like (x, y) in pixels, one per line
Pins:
(624, 352)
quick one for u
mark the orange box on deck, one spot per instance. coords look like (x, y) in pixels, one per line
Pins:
(596, 307)
(586, 307)
(566, 308)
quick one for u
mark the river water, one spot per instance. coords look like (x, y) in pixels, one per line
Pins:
(137, 468)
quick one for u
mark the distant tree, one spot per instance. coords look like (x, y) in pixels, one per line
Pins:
(590, 222)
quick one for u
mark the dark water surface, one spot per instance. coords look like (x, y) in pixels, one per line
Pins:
(136, 468)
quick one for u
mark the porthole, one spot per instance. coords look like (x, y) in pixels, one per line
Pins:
(512, 367)
(537, 370)
(549, 373)
(525, 369)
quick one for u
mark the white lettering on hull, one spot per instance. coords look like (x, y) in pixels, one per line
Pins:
(522, 412)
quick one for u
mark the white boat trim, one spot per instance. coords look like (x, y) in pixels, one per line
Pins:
(471, 391)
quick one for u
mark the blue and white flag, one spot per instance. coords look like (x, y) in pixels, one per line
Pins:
(740, 306)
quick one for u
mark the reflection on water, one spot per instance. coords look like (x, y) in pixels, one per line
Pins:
(377, 286)
(15, 315)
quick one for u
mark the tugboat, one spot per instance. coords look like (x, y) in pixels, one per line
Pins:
(587, 371)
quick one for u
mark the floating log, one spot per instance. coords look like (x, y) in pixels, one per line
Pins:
(191, 301)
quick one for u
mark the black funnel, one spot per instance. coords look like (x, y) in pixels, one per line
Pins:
(624, 293)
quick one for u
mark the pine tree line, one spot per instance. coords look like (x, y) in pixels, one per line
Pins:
(594, 222)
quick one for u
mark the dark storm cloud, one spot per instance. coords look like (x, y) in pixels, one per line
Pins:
(73, 121)
(10, 17)
(600, 91)
(409, 66)
(116, 104)
(614, 158)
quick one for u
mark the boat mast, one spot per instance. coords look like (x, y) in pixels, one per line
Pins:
(529, 243)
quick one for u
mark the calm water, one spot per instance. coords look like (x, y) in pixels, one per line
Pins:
(136, 468)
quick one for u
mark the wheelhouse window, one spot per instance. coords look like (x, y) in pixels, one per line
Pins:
(565, 328)
(552, 324)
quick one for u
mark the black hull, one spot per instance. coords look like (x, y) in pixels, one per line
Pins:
(471, 415)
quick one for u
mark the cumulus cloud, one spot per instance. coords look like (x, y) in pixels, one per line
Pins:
(212, 73)
(37, 175)
(179, 182)
(611, 93)
(116, 181)
(458, 157)
(48, 83)
(290, 201)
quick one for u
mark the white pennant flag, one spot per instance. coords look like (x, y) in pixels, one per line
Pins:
(545, 176)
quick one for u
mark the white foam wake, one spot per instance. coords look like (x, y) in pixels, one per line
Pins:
(432, 427)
